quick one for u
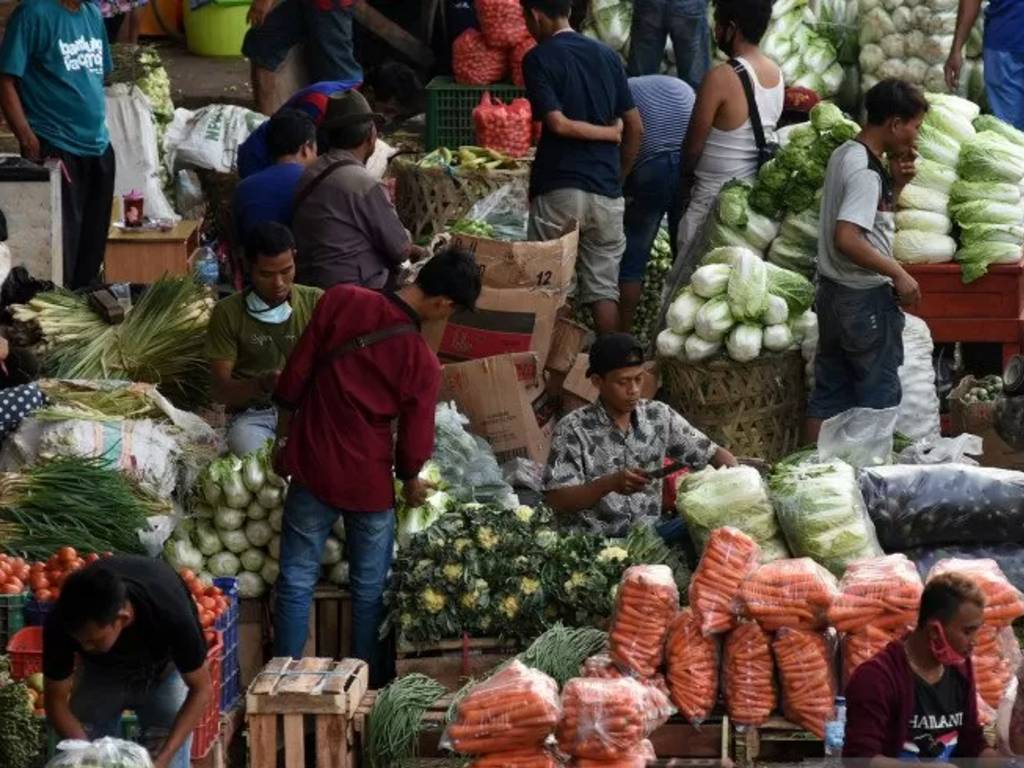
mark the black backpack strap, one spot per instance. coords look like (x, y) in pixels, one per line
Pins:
(888, 192)
(300, 198)
(369, 339)
(755, 114)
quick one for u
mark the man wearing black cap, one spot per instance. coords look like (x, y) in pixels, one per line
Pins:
(346, 229)
(601, 454)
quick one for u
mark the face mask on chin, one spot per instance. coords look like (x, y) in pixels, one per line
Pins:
(258, 309)
(942, 650)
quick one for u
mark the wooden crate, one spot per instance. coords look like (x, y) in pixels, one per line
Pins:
(330, 624)
(777, 739)
(990, 309)
(326, 690)
(452, 662)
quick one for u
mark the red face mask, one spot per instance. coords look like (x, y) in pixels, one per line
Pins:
(942, 650)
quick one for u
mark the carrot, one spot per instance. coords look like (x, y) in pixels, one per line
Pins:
(692, 667)
(638, 758)
(645, 603)
(1004, 603)
(794, 594)
(601, 719)
(748, 678)
(883, 592)
(865, 643)
(658, 706)
(808, 683)
(521, 758)
(995, 660)
(729, 557)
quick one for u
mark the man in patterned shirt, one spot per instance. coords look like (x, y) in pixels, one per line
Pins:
(597, 472)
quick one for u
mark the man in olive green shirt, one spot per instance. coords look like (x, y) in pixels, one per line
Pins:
(251, 335)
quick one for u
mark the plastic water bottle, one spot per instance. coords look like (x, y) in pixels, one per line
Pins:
(206, 266)
(835, 732)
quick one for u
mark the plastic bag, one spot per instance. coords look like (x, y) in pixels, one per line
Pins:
(209, 137)
(944, 505)
(1009, 558)
(638, 758)
(692, 668)
(516, 55)
(506, 209)
(864, 644)
(658, 707)
(735, 496)
(468, 466)
(646, 603)
(1010, 729)
(534, 757)
(601, 719)
(503, 127)
(501, 21)
(474, 62)
(1004, 603)
(105, 753)
(820, 509)
(793, 594)
(995, 659)
(918, 412)
(808, 679)
(882, 592)
(729, 557)
(748, 675)
(943, 450)
(860, 436)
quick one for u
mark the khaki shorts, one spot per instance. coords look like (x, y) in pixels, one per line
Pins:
(602, 238)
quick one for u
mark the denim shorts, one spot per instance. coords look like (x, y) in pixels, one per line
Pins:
(860, 349)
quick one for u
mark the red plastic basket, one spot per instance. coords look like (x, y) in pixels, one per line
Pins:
(25, 650)
(205, 734)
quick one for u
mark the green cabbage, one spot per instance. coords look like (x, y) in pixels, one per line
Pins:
(744, 342)
(937, 146)
(777, 311)
(911, 246)
(698, 349)
(975, 259)
(778, 338)
(802, 228)
(732, 204)
(950, 123)
(796, 289)
(991, 233)
(966, 109)
(235, 541)
(333, 552)
(223, 564)
(252, 559)
(797, 257)
(228, 519)
(748, 287)
(713, 320)
(819, 56)
(985, 212)
(734, 496)
(923, 199)
(270, 570)
(206, 539)
(682, 311)
(991, 157)
(710, 280)
(999, 192)
(259, 533)
(250, 585)
(994, 124)
(932, 175)
(669, 344)
(924, 221)
(182, 554)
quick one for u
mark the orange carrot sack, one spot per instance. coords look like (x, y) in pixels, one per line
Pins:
(692, 662)
(535, 757)
(658, 707)
(639, 758)
(646, 602)
(1003, 601)
(996, 658)
(474, 62)
(789, 593)
(515, 709)
(601, 719)
(879, 592)
(866, 643)
(729, 557)
(808, 679)
(748, 675)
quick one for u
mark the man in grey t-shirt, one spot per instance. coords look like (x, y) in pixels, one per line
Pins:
(861, 285)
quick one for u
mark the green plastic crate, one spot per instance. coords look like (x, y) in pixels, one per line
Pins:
(450, 110)
(130, 731)
(12, 617)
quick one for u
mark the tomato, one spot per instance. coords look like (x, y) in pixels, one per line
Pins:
(16, 582)
(39, 581)
(196, 588)
(187, 575)
(22, 572)
(67, 554)
(92, 557)
(44, 596)
(222, 605)
(56, 578)
(206, 619)
(9, 588)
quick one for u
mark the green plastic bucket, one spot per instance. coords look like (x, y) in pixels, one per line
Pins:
(218, 28)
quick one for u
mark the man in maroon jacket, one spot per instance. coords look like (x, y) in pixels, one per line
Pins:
(360, 369)
(916, 699)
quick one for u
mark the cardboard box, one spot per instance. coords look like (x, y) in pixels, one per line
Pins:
(578, 390)
(506, 321)
(566, 343)
(546, 265)
(505, 401)
(979, 419)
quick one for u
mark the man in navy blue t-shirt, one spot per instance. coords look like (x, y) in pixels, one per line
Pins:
(269, 194)
(591, 135)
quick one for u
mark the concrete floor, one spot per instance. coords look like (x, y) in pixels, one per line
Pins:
(197, 81)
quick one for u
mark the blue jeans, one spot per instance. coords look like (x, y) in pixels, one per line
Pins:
(1004, 85)
(369, 545)
(101, 694)
(686, 22)
(651, 191)
(250, 430)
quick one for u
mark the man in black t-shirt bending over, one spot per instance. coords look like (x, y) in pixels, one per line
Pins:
(135, 625)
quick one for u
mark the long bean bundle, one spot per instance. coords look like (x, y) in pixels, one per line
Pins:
(72, 500)
(561, 651)
(393, 726)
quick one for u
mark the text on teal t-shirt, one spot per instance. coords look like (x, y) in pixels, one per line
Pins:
(60, 58)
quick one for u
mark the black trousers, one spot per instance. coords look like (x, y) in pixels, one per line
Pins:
(87, 195)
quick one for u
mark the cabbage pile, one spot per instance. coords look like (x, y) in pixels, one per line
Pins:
(738, 302)
(735, 223)
(910, 40)
(807, 58)
(609, 21)
(412, 520)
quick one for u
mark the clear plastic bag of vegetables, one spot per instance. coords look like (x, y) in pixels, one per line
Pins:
(638, 758)
(995, 659)
(944, 505)
(729, 557)
(529, 757)
(691, 660)
(102, 753)
(882, 592)
(865, 644)
(467, 463)
(645, 604)
(748, 675)
(805, 660)
(601, 719)
(789, 594)
(1009, 558)
(658, 707)
(1004, 603)
(515, 708)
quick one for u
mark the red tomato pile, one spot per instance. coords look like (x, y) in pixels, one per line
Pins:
(47, 578)
(14, 573)
(210, 601)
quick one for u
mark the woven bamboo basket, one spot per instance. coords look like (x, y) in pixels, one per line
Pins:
(752, 409)
(429, 199)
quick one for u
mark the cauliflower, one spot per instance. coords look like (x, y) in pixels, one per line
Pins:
(460, 544)
(452, 571)
(509, 606)
(612, 554)
(433, 601)
(546, 538)
(486, 537)
(575, 581)
(528, 586)
(524, 513)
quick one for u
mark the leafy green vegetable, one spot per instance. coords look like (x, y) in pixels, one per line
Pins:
(744, 342)
(975, 259)
(950, 122)
(912, 246)
(713, 320)
(711, 280)
(991, 233)
(923, 199)
(990, 156)
(748, 287)
(986, 212)
(999, 192)
(937, 146)
(932, 175)
(924, 221)
(796, 289)
(994, 124)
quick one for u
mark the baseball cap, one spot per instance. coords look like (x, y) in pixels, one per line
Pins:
(613, 351)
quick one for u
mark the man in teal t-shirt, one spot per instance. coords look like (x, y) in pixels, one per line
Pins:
(53, 59)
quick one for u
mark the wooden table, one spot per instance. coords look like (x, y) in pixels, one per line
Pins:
(990, 309)
(145, 257)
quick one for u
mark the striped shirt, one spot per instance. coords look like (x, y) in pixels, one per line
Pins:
(665, 104)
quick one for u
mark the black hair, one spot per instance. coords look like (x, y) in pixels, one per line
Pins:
(943, 596)
(452, 273)
(894, 98)
(268, 238)
(553, 9)
(350, 136)
(751, 17)
(94, 594)
(288, 131)
(398, 84)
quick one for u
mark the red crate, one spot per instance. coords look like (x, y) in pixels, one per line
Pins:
(205, 734)
(25, 650)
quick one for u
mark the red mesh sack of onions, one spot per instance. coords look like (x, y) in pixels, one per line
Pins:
(515, 59)
(503, 127)
(502, 22)
(474, 62)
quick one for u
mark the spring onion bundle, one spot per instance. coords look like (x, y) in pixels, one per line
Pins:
(69, 401)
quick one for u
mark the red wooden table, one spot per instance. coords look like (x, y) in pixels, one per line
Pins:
(991, 309)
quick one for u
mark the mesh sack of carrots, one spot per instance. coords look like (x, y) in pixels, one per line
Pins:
(996, 658)
(474, 62)
(639, 758)
(600, 665)
(789, 593)
(516, 55)
(514, 709)
(501, 21)
(658, 707)
(879, 592)
(533, 757)
(1003, 601)
(601, 719)
(866, 643)
(748, 675)
(804, 659)
(692, 668)
(646, 602)
(729, 557)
